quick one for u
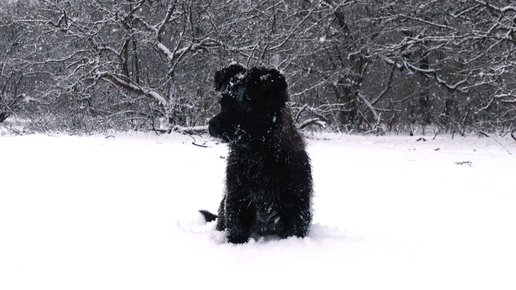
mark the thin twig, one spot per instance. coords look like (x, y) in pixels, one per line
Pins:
(484, 134)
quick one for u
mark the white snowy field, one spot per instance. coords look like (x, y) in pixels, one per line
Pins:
(390, 213)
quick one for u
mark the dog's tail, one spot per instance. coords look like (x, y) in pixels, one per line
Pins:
(208, 216)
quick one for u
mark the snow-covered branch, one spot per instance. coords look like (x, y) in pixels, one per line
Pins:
(313, 121)
(434, 74)
(370, 107)
(347, 63)
(498, 9)
(134, 88)
(387, 87)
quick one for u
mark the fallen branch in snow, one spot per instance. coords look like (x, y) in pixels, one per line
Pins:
(512, 135)
(198, 145)
(469, 163)
(190, 130)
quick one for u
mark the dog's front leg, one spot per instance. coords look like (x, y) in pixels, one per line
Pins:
(239, 220)
(221, 220)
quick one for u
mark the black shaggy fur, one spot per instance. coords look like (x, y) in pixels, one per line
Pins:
(268, 175)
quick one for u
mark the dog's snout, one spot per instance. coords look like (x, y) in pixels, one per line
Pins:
(214, 126)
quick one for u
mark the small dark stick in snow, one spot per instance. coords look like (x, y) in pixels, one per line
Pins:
(469, 163)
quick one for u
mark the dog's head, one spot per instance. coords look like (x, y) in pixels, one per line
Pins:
(251, 102)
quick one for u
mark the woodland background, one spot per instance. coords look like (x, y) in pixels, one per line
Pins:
(352, 66)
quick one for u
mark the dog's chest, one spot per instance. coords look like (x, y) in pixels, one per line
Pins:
(257, 170)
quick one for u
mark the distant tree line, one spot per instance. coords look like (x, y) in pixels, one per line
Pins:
(361, 65)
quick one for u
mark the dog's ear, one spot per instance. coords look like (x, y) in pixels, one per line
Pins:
(223, 76)
(266, 83)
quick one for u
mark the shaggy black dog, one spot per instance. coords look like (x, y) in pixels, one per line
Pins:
(268, 174)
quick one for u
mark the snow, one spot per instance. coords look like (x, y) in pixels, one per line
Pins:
(122, 213)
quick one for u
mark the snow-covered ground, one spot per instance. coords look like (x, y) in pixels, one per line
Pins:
(391, 212)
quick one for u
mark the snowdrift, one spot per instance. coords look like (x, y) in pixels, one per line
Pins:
(391, 212)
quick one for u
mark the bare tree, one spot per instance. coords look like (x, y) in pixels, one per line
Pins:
(354, 65)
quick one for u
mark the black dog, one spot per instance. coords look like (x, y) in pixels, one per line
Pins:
(268, 175)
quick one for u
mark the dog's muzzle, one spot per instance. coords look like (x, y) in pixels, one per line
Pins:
(214, 127)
